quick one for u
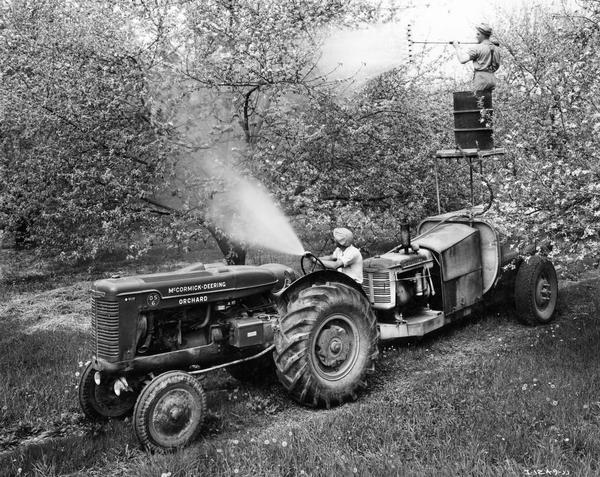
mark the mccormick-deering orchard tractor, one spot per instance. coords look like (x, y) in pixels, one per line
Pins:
(154, 334)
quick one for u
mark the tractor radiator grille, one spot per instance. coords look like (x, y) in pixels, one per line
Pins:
(379, 288)
(105, 323)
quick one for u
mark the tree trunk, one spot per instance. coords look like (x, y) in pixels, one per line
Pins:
(234, 253)
(22, 234)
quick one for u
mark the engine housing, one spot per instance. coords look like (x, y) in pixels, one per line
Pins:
(394, 279)
(209, 307)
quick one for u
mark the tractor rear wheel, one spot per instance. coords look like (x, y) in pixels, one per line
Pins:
(326, 345)
(169, 411)
(99, 401)
(536, 291)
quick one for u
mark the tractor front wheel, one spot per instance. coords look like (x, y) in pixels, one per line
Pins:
(169, 411)
(536, 291)
(326, 345)
(99, 401)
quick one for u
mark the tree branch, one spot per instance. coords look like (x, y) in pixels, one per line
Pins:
(88, 136)
(344, 198)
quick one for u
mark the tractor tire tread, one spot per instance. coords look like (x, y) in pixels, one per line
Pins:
(292, 343)
(525, 283)
(87, 397)
(145, 401)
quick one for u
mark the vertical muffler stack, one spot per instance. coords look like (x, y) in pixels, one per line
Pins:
(405, 236)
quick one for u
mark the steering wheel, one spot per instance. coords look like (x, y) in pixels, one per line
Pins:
(316, 262)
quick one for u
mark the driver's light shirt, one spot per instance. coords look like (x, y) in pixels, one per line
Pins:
(352, 261)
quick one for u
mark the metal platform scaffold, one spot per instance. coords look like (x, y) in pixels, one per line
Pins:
(472, 156)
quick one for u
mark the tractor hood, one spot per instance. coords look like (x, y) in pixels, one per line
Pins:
(400, 260)
(211, 282)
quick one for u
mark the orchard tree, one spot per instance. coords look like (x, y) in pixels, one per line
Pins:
(549, 187)
(364, 161)
(256, 52)
(252, 57)
(297, 131)
(92, 91)
(80, 148)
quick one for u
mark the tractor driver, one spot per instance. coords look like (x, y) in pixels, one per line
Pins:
(485, 57)
(346, 257)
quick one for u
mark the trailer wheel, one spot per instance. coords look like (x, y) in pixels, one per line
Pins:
(258, 370)
(326, 345)
(536, 291)
(169, 411)
(99, 401)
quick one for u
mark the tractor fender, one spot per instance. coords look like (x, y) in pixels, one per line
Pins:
(320, 276)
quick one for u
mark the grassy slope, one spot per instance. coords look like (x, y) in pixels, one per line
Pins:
(486, 397)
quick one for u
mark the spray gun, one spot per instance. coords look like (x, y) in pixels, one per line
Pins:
(412, 42)
(495, 42)
(442, 42)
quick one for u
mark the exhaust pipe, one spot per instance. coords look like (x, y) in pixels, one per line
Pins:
(405, 236)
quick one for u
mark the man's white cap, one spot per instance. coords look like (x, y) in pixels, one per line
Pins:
(343, 236)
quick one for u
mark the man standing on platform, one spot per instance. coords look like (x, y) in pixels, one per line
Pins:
(485, 57)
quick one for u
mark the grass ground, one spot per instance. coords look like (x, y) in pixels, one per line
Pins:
(484, 397)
